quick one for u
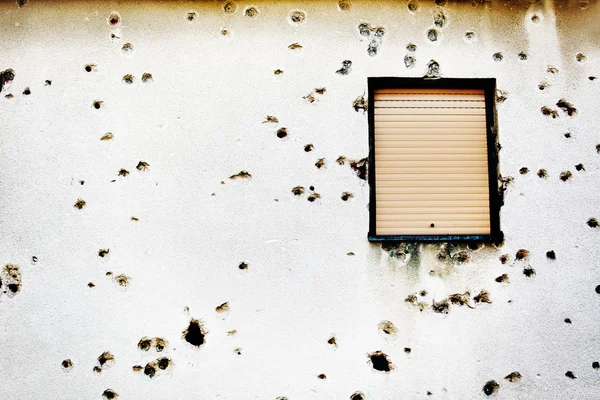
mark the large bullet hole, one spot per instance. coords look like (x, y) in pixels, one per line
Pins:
(580, 57)
(542, 173)
(357, 396)
(565, 176)
(298, 190)
(282, 132)
(433, 69)
(79, 204)
(142, 166)
(195, 333)
(346, 196)
(502, 279)
(346, 67)
(513, 377)
(498, 57)
(470, 36)
(388, 328)
(566, 107)
(433, 35)
(147, 77)
(439, 19)
(110, 394)
(522, 56)
(360, 167)
(570, 374)
(409, 61)
(596, 365)
(320, 163)
(251, 12)
(230, 7)
(482, 297)
(344, 5)
(413, 6)
(297, 17)
(129, 79)
(360, 104)
(529, 272)
(524, 170)
(67, 364)
(241, 175)
(441, 307)
(114, 19)
(380, 361)
(127, 48)
(592, 223)
(97, 104)
(490, 388)
(549, 112)
(123, 172)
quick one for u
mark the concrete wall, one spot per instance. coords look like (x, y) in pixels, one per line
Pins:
(313, 293)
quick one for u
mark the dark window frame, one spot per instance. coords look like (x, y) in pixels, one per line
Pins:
(489, 87)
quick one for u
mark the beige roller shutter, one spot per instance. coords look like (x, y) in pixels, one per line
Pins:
(431, 162)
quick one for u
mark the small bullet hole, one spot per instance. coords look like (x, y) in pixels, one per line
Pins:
(147, 77)
(103, 252)
(298, 190)
(222, 308)
(278, 72)
(498, 57)
(137, 368)
(91, 285)
(490, 388)
(596, 365)
(320, 163)
(565, 175)
(114, 19)
(311, 188)
(529, 272)
(380, 361)
(346, 67)
(357, 396)
(341, 160)
(129, 79)
(106, 137)
(469, 36)
(67, 364)
(281, 133)
(524, 170)
(522, 56)
(127, 48)
(110, 394)
(344, 5)
(413, 6)
(346, 196)
(549, 112)
(27, 91)
(297, 16)
(504, 258)
(407, 350)
(432, 225)
(313, 197)
(411, 47)
(432, 35)
(251, 12)
(598, 289)
(551, 255)
(149, 371)
(191, 15)
(579, 167)
(21, 3)
(598, 148)
(570, 374)
(592, 78)
(388, 328)
(122, 280)
(271, 119)
(567, 135)
(522, 254)
(230, 7)
(332, 341)
(243, 266)
(97, 370)
(145, 344)
(308, 148)
(79, 204)
(542, 173)
(48, 82)
(580, 57)
(535, 19)
(106, 358)
(543, 85)
(592, 223)
(163, 363)
(97, 104)
(240, 175)
(123, 172)
(502, 278)
(142, 166)
(409, 61)
(568, 320)
(439, 19)
(552, 69)
(513, 377)
(322, 376)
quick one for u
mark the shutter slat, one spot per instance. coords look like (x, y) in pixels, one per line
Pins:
(435, 171)
(439, 224)
(436, 231)
(433, 190)
(430, 157)
(483, 217)
(428, 104)
(392, 183)
(428, 111)
(390, 144)
(450, 98)
(424, 150)
(417, 130)
(432, 196)
(400, 91)
(432, 203)
(429, 118)
(431, 163)
(433, 210)
(430, 138)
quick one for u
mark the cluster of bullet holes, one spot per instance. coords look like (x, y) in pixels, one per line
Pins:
(344, 5)
(105, 360)
(380, 361)
(110, 394)
(160, 364)
(296, 17)
(311, 98)
(251, 12)
(10, 280)
(374, 35)
(492, 386)
(443, 306)
(346, 68)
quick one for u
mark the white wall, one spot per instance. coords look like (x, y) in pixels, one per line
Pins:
(200, 121)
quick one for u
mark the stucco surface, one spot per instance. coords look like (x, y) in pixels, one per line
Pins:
(200, 120)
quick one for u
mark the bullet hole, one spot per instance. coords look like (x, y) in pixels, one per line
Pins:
(9, 96)
(360, 167)
(522, 56)
(113, 36)
(433, 69)
(241, 175)
(127, 49)
(271, 119)
(195, 333)
(106, 359)
(592, 78)
(407, 350)
(364, 29)
(350, 253)
(230, 7)
(341, 160)
(592, 223)
(433, 35)
(346, 196)
(412, 299)
(145, 344)
(524, 170)
(357, 396)
(552, 69)
(278, 72)
(320, 91)
(568, 321)
(282, 132)
(163, 363)
(313, 197)
(137, 368)
(566, 107)
(320, 163)
(79, 204)
(308, 148)
(251, 12)
(470, 36)
(128, 79)
(360, 104)
(107, 136)
(567, 135)
(565, 176)
(48, 82)
(297, 17)
(596, 365)
(542, 173)
(97, 104)
(579, 167)
(223, 308)
(501, 96)
(580, 57)
(529, 272)
(298, 190)
(535, 19)
(91, 285)
(147, 77)
(67, 364)
(322, 376)
(482, 297)
(380, 361)
(502, 279)
(22, 3)
(598, 289)
(103, 252)
(462, 257)
(346, 68)
(460, 299)
(513, 377)
(441, 307)
(311, 188)
(238, 351)
(224, 32)
(409, 61)
(110, 394)
(439, 19)
(114, 19)
(6, 78)
(122, 280)
(243, 266)
(522, 254)
(310, 98)
(413, 6)
(123, 172)
(149, 370)
(231, 333)
(109, 273)
(344, 5)
(598, 148)
(490, 388)
(27, 91)
(498, 57)
(295, 46)
(432, 225)
(388, 328)
(549, 112)
(191, 15)
(570, 374)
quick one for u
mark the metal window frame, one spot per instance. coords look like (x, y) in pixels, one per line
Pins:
(489, 87)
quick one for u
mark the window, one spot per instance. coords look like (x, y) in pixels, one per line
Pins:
(433, 160)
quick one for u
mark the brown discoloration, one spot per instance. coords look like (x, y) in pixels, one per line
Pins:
(504, 258)
(195, 334)
(412, 299)
(462, 257)
(460, 299)
(241, 175)
(513, 377)
(501, 96)
(380, 361)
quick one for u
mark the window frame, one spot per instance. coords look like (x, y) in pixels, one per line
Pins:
(489, 87)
